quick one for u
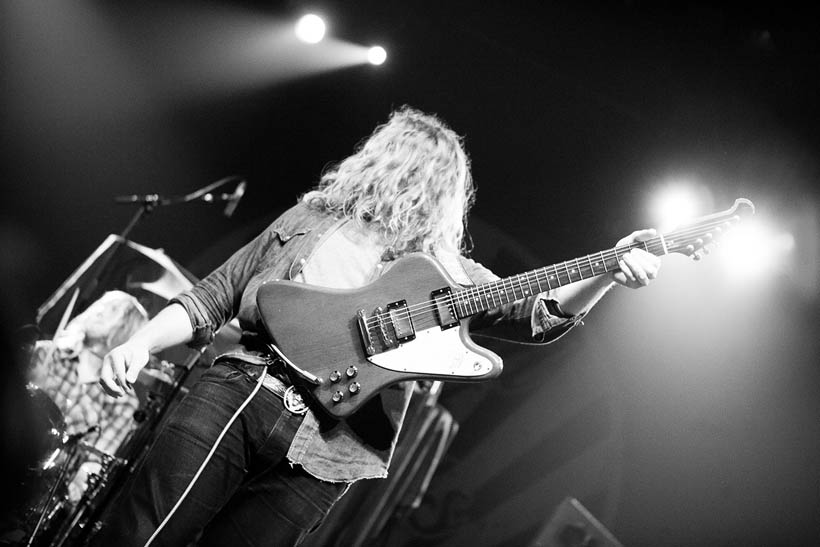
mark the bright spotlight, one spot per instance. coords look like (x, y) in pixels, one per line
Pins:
(376, 55)
(674, 206)
(310, 29)
(752, 250)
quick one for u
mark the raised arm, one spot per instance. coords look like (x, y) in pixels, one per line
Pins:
(547, 316)
(637, 268)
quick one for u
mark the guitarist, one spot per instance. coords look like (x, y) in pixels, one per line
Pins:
(240, 465)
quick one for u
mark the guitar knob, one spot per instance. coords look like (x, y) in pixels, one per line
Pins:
(335, 376)
(338, 396)
(352, 371)
(354, 388)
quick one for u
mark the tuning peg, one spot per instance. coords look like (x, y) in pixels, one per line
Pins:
(690, 249)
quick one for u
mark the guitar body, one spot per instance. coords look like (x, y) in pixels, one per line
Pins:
(319, 332)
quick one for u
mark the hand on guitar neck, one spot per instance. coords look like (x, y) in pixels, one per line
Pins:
(637, 268)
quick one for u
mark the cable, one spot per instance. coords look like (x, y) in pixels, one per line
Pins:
(208, 457)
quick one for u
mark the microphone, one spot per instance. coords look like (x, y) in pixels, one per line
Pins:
(139, 198)
(233, 199)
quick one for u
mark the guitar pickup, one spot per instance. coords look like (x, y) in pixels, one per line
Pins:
(400, 319)
(444, 308)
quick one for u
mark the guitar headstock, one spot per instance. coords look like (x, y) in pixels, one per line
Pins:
(693, 239)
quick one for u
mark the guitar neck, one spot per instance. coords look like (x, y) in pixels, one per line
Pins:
(490, 295)
(685, 240)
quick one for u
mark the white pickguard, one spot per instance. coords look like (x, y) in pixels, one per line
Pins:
(437, 352)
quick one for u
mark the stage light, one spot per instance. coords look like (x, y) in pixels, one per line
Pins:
(376, 55)
(310, 29)
(753, 250)
(674, 205)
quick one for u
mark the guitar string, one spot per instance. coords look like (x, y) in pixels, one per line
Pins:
(466, 296)
(472, 296)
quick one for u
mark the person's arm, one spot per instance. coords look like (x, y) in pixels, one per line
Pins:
(192, 316)
(122, 365)
(546, 317)
(637, 268)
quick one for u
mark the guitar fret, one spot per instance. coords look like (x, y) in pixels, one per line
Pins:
(474, 302)
(543, 271)
(528, 290)
(498, 292)
(475, 299)
(486, 296)
(555, 275)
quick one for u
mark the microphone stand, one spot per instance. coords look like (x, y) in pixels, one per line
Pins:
(149, 202)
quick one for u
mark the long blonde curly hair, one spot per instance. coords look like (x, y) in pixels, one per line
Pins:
(409, 182)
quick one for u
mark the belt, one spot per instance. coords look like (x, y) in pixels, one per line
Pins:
(275, 380)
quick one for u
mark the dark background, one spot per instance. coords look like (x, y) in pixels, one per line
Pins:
(683, 414)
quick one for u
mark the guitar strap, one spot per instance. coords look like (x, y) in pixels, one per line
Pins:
(313, 240)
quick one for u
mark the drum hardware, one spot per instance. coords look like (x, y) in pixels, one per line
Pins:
(53, 504)
(82, 514)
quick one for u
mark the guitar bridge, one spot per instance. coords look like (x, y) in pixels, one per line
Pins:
(364, 332)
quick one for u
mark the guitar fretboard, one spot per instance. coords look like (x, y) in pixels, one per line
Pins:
(503, 291)
(686, 240)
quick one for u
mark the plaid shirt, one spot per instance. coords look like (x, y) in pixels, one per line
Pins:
(84, 405)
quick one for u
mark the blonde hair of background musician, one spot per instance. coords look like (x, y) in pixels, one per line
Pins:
(108, 322)
(410, 182)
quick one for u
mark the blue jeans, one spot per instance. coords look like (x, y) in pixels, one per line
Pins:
(248, 493)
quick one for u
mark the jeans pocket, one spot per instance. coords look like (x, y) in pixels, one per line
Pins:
(222, 372)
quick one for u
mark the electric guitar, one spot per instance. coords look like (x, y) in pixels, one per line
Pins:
(412, 323)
